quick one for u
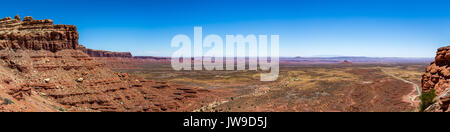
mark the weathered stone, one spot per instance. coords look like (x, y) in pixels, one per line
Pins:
(36, 35)
(80, 80)
(437, 77)
(47, 80)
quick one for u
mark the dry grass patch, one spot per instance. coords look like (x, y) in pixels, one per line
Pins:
(310, 77)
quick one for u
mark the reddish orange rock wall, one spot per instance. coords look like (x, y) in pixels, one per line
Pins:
(437, 77)
(36, 35)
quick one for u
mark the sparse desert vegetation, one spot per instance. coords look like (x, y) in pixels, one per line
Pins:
(302, 87)
(427, 99)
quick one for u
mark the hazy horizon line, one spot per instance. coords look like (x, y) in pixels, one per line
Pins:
(304, 57)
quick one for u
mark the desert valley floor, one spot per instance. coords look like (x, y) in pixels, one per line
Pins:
(300, 87)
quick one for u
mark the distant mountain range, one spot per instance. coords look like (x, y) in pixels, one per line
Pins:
(340, 59)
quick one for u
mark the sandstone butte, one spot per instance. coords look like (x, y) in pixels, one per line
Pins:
(44, 68)
(437, 77)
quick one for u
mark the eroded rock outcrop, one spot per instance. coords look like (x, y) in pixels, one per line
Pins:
(41, 69)
(36, 34)
(437, 78)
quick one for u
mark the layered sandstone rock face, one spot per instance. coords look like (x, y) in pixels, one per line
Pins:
(42, 70)
(36, 35)
(437, 77)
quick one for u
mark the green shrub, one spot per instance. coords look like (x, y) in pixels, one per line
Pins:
(427, 99)
(7, 101)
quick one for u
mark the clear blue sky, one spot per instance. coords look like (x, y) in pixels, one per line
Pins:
(374, 28)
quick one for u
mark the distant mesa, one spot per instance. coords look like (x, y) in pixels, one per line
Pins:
(346, 62)
(102, 53)
(151, 57)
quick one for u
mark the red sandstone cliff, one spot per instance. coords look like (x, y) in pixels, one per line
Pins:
(437, 77)
(42, 34)
(102, 53)
(36, 35)
(41, 69)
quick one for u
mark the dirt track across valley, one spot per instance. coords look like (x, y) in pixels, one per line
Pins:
(411, 97)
